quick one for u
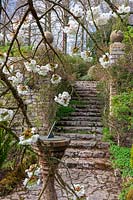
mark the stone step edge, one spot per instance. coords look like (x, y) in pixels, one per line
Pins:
(95, 163)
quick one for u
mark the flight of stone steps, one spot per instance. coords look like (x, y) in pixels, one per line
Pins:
(87, 156)
(87, 115)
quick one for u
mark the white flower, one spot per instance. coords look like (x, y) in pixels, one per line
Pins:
(123, 9)
(28, 137)
(38, 181)
(86, 55)
(22, 89)
(43, 71)
(55, 79)
(77, 10)
(2, 58)
(17, 79)
(1, 36)
(32, 66)
(25, 182)
(52, 66)
(33, 174)
(5, 114)
(33, 139)
(105, 60)
(37, 171)
(79, 190)
(8, 69)
(33, 130)
(63, 99)
(71, 28)
(29, 174)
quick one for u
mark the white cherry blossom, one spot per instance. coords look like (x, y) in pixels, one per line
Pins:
(5, 114)
(22, 89)
(105, 60)
(55, 79)
(86, 55)
(123, 9)
(17, 79)
(31, 140)
(32, 66)
(8, 69)
(79, 190)
(63, 99)
(43, 71)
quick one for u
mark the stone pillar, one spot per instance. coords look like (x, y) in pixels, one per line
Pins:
(131, 9)
(116, 51)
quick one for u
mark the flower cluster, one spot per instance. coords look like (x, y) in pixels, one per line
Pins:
(63, 99)
(102, 18)
(33, 177)
(55, 79)
(123, 9)
(79, 190)
(105, 60)
(5, 114)
(99, 17)
(86, 55)
(28, 137)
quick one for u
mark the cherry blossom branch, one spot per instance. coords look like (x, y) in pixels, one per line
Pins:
(17, 97)
(79, 21)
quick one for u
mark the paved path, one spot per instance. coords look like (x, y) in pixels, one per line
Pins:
(98, 184)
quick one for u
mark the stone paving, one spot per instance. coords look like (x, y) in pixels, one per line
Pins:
(98, 184)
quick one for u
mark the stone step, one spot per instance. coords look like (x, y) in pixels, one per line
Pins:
(92, 114)
(79, 123)
(78, 136)
(85, 93)
(89, 99)
(87, 163)
(89, 144)
(89, 106)
(86, 129)
(86, 153)
(82, 118)
(96, 110)
(90, 102)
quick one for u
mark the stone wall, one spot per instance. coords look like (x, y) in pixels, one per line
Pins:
(40, 104)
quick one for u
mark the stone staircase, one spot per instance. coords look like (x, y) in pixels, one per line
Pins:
(87, 152)
(87, 115)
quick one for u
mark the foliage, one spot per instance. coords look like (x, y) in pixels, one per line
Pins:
(121, 159)
(64, 111)
(122, 109)
(6, 143)
(122, 75)
(127, 191)
(15, 51)
(11, 180)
